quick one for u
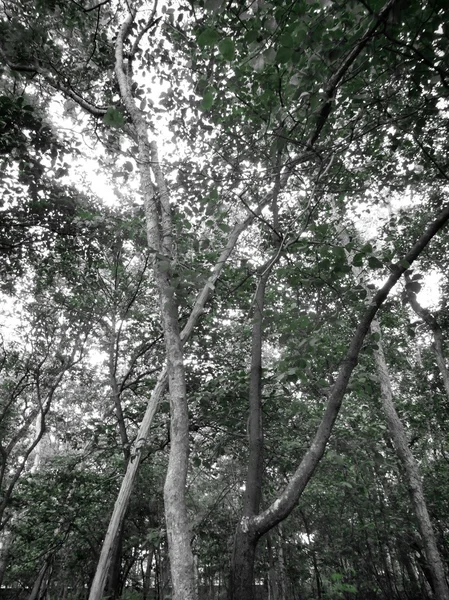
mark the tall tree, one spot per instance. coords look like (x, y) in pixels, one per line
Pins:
(277, 109)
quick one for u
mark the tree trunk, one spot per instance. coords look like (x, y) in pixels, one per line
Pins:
(40, 583)
(282, 573)
(399, 438)
(122, 502)
(260, 524)
(241, 585)
(437, 333)
(6, 539)
(273, 579)
(112, 588)
(242, 564)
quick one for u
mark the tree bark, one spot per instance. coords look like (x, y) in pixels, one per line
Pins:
(252, 527)
(39, 583)
(288, 499)
(243, 558)
(245, 541)
(159, 235)
(399, 438)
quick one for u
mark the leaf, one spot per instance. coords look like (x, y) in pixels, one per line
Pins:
(208, 100)
(227, 49)
(283, 54)
(413, 286)
(113, 118)
(208, 37)
(375, 263)
(128, 166)
(213, 5)
(357, 261)
(258, 63)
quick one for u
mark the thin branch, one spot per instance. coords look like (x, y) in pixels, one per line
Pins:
(341, 72)
(88, 10)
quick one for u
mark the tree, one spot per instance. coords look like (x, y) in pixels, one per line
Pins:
(278, 111)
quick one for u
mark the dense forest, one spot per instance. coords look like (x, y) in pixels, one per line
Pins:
(223, 297)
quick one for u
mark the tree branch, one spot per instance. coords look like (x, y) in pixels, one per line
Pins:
(285, 503)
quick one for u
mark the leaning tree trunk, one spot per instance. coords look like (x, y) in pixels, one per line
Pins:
(399, 438)
(436, 330)
(400, 442)
(256, 526)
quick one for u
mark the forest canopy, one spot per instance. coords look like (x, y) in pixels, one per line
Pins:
(224, 280)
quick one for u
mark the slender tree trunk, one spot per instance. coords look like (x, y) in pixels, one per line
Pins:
(177, 522)
(6, 539)
(282, 573)
(245, 541)
(253, 527)
(122, 502)
(145, 161)
(399, 438)
(316, 570)
(273, 573)
(115, 389)
(112, 588)
(400, 442)
(437, 333)
(40, 583)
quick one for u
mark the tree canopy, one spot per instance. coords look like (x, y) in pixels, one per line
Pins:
(224, 272)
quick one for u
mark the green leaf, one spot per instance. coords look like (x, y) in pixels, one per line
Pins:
(413, 286)
(375, 263)
(227, 49)
(357, 261)
(283, 54)
(113, 118)
(208, 37)
(128, 166)
(208, 99)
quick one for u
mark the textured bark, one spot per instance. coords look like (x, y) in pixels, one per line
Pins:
(159, 236)
(113, 581)
(122, 502)
(252, 527)
(254, 475)
(241, 572)
(6, 539)
(123, 497)
(243, 557)
(400, 442)
(399, 438)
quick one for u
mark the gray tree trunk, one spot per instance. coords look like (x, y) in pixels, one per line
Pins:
(437, 333)
(399, 438)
